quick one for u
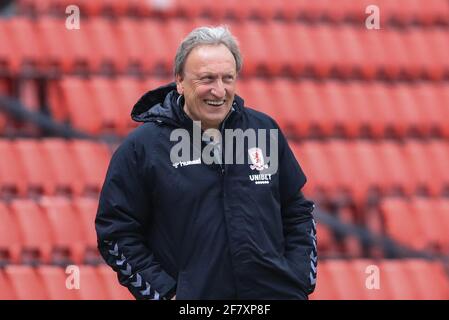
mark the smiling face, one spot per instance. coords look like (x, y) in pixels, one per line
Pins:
(208, 84)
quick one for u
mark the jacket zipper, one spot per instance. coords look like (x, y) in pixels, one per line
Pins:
(222, 164)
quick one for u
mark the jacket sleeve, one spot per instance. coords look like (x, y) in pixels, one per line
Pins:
(124, 212)
(298, 222)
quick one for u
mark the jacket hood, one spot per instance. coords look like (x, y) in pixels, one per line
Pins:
(161, 104)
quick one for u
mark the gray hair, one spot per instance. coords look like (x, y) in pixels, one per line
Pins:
(207, 36)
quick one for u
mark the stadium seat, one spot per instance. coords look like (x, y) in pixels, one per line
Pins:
(26, 283)
(396, 279)
(93, 160)
(91, 284)
(114, 289)
(34, 230)
(63, 165)
(7, 292)
(37, 175)
(11, 172)
(54, 279)
(429, 279)
(86, 210)
(83, 112)
(65, 227)
(325, 288)
(10, 241)
(363, 272)
(401, 224)
(105, 99)
(342, 278)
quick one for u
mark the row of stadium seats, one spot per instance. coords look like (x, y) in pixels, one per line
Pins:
(360, 167)
(403, 11)
(60, 230)
(421, 223)
(302, 109)
(126, 45)
(398, 280)
(339, 279)
(50, 230)
(52, 166)
(51, 282)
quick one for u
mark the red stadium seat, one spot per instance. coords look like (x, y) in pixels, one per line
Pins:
(114, 289)
(26, 283)
(83, 112)
(65, 227)
(396, 279)
(365, 274)
(34, 229)
(86, 211)
(38, 177)
(401, 224)
(10, 241)
(105, 99)
(347, 287)
(54, 279)
(91, 284)
(7, 292)
(11, 172)
(325, 288)
(428, 278)
(93, 160)
(60, 158)
(432, 228)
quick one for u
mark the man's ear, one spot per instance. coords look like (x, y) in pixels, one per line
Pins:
(179, 86)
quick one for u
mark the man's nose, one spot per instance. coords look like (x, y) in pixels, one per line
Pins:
(218, 90)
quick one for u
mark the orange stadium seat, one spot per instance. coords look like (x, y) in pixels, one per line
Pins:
(114, 289)
(34, 230)
(424, 175)
(54, 279)
(65, 227)
(325, 287)
(93, 160)
(91, 284)
(363, 272)
(86, 210)
(429, 279)
(440, 208)
(11, 172)
(401, 224)
(27, 48)
(397, 280)
(83, 112)
(423, 210)
(109, 51)
(37, 175)
(104, 100)
(10, 241)
(7, 292)
(343, 280)
(25, 282)
(60, 158)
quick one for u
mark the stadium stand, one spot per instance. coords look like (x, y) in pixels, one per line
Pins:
(365, 111)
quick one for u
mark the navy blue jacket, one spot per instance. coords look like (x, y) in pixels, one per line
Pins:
(203, 231)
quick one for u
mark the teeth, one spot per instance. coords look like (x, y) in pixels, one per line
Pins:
(215, 103)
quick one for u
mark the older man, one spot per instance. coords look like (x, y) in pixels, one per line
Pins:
(199, 227)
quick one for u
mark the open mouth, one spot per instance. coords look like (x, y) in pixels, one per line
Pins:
(215, 103)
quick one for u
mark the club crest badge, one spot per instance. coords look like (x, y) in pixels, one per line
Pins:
(256, 157)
